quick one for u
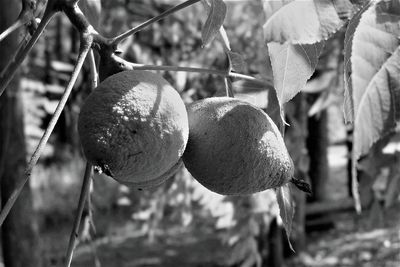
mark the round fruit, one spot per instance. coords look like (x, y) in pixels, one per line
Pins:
(235, 148)
(134, 127)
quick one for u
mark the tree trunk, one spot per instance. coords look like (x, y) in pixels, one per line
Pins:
(275, 248)
(296, 136)
(295, 140)
(19, 231)
(317, 144)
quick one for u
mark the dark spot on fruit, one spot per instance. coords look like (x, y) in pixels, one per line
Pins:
(135, 154)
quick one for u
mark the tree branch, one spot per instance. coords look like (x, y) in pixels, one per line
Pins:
(140, 27)
(18, 23)
(9, 71)
(86, 42)
(81, 204)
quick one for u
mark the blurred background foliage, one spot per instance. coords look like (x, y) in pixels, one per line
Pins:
(235, 230)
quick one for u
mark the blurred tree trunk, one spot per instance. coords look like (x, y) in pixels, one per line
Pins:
(317, 144)
(295, 140)
(19, 231)
(276, 237)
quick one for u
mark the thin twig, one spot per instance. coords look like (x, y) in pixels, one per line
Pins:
(354, 184)
(18, 23)
(140, 27)
(8, 72)
(227, 48)
(93, 84)
(93, 70)
(197, 70)
(94, 81)
(26, 15)
(81, 204)
(85, 47)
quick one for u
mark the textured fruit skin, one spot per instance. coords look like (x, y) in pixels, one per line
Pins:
(134, 126)
(234, 148)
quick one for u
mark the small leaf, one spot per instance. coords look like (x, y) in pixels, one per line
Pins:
(321, 83)
(215, 19)
(348, 107)
(236, 61)
(292, 66)
(223, 36)
(324, 100)
(286, 208)
(92, 10)
(306, 22)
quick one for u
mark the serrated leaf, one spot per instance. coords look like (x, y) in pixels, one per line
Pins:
(292, 66)
(306, 21)
(92, 10)
(379, 109)
(286, 208)
(375, 79)
(374, 41)
(375, 74)
(215, 19)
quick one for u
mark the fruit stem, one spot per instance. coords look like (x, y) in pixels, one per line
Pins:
(302, 185)
(8, 73)
(86, 42)
(81, 204)
(143, 25)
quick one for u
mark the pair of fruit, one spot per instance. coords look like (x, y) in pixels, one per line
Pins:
(135, 127)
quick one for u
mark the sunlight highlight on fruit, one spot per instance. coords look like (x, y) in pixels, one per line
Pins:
(235, 148)
(134, 127)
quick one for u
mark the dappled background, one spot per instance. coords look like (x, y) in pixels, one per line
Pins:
(182, 223)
